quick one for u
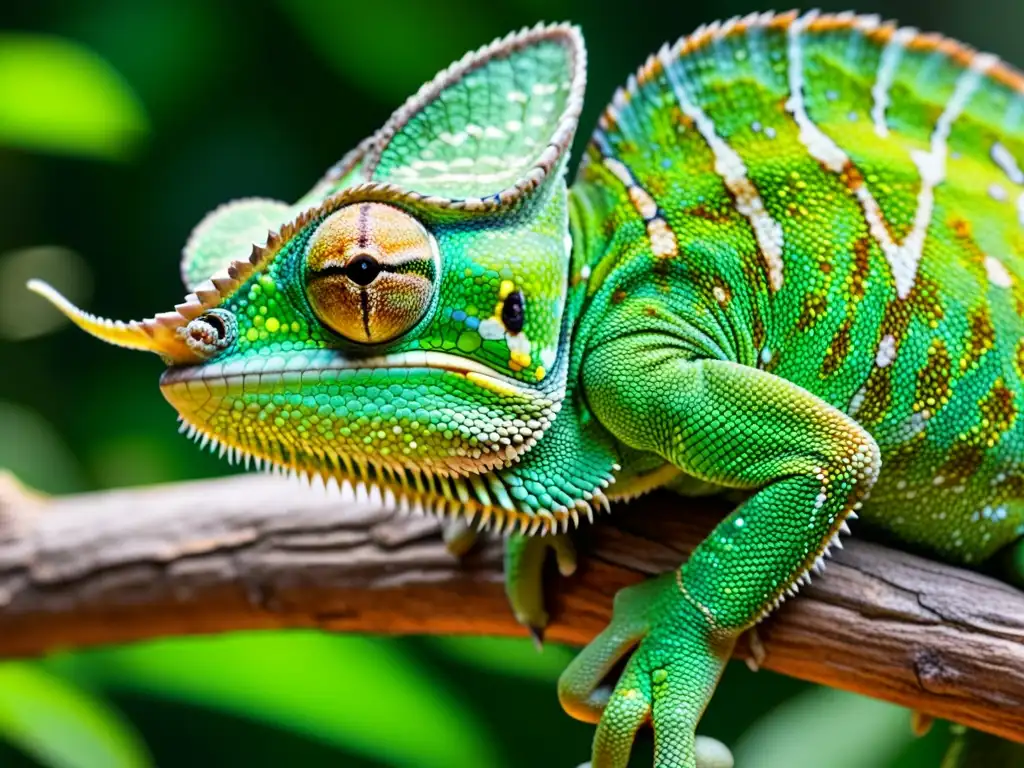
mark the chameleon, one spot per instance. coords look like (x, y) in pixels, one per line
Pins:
(790, 266)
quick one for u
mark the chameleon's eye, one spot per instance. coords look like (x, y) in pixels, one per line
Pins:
(370, 272)
(211, 332)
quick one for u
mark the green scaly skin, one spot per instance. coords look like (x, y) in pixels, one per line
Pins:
(792, 264)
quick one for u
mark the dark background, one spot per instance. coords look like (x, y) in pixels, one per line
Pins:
(121, 123)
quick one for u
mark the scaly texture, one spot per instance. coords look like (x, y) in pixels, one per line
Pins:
(792, 264)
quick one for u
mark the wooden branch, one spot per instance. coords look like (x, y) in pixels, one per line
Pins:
(259, 552)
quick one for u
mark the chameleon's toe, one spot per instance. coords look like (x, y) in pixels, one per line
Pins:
(667, 681)
(459, 536)
(524, 576)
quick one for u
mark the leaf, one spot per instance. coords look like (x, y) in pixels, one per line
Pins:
(62, 726)
(361, 694)
(508, 656)
(57, 96)
(348, 36)
(34, 452)
(826, 727)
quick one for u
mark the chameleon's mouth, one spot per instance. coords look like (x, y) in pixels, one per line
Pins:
(315, 362)
(397, 422)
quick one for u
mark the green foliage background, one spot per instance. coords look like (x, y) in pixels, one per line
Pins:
(121, 123)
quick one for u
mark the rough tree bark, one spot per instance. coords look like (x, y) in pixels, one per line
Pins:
(260, 552)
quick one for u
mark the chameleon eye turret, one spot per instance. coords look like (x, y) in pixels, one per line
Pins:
(211, 333)
(371, 271)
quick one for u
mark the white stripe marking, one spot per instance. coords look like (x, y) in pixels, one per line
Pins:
(932, 167)
(997, 273)
(886, 351)
(663, 239)
(891, 55)
(904, 258)
(1007, 164)
(729, 166)
(821, 147)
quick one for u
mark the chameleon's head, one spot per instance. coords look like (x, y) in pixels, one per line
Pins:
(403, 323)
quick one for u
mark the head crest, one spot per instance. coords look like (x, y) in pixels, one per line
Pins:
(481, 136)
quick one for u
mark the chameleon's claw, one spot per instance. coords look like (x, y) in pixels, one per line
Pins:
(524, 572)
(459, 536)
(757, 655)
(921, 722)
(537, 633)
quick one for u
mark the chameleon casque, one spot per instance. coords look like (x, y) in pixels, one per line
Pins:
(791, 263)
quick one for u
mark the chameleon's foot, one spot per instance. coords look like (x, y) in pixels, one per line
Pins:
(459, 536)
(667, 681)
(524, 576)
(711, 753)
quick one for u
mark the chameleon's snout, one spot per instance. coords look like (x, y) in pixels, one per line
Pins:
(168, 334)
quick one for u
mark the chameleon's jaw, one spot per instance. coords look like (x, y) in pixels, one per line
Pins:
(395, 422)
(320, 409)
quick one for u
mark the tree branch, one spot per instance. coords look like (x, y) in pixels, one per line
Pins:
(260, 552)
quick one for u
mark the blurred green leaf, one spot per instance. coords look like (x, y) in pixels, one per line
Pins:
(827, 727)
(58, 96)
(361, 694)
(508, 656)
(173, 52)
(62, 726)
(349, 36)
(35, 452)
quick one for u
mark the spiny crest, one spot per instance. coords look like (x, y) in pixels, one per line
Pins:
(484, 500)
(878, 31)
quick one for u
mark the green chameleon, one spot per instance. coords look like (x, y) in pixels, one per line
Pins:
(792, 263)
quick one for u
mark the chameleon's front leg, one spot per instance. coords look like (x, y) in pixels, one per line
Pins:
(738, 427)
(524, 576)
(524, 569)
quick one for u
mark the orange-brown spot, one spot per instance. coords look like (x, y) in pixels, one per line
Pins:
(998, 413)
(858, 280)
(964, 461)
(680, 119)
(851, 177)
(813, 308)
(981, 338)
(877, 396)
(758, 335)
(661, 270)
(925, 300)
(934, 380)
(618, 296)
(703, 211)
(969, 250)
(838, 350)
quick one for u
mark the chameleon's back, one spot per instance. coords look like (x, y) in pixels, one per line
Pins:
(841, 202)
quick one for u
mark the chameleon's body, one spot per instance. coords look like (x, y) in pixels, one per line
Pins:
(794, 255)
